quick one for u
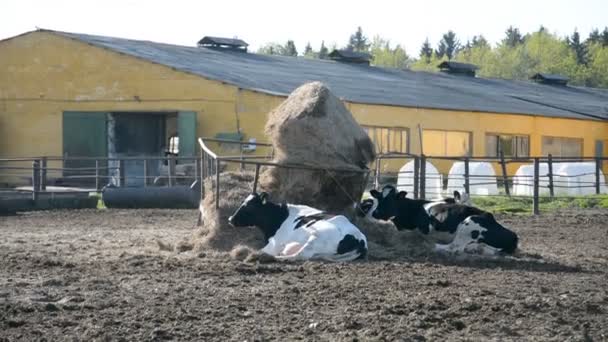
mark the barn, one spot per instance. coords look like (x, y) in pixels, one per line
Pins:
(71, 94)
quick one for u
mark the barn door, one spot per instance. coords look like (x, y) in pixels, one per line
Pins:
(84, 135)
(186, 130)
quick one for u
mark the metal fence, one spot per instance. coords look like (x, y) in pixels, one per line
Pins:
(537, 181)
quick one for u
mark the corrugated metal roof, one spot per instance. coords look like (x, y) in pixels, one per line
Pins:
(365, 84)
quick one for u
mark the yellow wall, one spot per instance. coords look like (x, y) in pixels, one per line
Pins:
(43, 74)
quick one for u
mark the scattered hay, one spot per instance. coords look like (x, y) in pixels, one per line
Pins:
(312, 127)
(215, 232)
(164, 246)
(385, 242)
(241, 252)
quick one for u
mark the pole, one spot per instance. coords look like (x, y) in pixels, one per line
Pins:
(96, 174)
(35, 179)
(466, 176)
(505, 178)
(536, 176)
(171, 169)
(598, 166)
(416, 176)
(43, 177)
(550, 164)
(255, 178)
(377, 175)
(217, 184)
(422, 177)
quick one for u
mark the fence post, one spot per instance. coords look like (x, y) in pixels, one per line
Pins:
(256, 177)
(505, 178)
(416, 176)
(217, 184)
(35, 179)
(146, 173)
(598, 167)
(96, 174)
(171, 172)
(197, 168)
(43, 177)
(422, 177)
(121, 173)
(203, 173)
(377, 175)
(536, 199)
(550, 165)
(467, 184)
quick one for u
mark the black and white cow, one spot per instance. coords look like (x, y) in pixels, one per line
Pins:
(469, 229)
(298, 232)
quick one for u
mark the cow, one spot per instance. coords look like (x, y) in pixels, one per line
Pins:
(298, 232)
(469, 229)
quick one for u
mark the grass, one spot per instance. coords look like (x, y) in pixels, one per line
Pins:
(500, 204)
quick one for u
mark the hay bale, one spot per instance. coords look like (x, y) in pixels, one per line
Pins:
(312, 127)
(385, 242)
(215, 232)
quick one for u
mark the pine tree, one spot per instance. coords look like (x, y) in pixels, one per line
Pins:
(290, 49)
(594, 37)
(358, 42)
(308, 52)
(578, 47)
(479, 41)
(426, 52)
(323, 52)
(513, 37)
(448, 46)
(604, 37)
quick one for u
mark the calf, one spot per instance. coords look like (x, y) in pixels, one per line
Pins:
(468, 228)
(297, 232)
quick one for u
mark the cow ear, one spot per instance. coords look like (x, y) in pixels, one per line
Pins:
(264, 197)
(456, 195)
(375, 193)
(402, 194)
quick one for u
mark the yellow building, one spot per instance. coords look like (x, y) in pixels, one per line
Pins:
(75, 95)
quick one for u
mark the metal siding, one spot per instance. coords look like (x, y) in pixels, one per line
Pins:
(84, 135)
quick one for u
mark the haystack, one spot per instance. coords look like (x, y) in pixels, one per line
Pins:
(312, 127)
(385, 242)
(215, 232)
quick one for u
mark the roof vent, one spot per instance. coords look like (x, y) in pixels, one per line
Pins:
(349, 56)
(553, 79)
(458, 68)
(223, 43)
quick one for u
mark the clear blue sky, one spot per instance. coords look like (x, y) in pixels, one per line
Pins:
(257, 22)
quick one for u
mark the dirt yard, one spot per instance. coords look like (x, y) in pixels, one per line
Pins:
(99, 275)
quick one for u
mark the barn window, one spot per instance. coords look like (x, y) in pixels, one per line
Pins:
(510, 145)
(446, 143)
(389, 139)
(562, 147)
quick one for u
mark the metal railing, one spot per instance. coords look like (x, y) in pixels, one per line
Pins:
(504, 180)
(212, 166)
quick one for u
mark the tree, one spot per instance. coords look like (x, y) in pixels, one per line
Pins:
(479, 41)
(426, 52)
(290, 49)
(358, 42)
(594, 37)
(578, 47)
(386, 56)
(604, 37)
(323, 52)
(272, 49)
(448, 46)
(513, 37)
(308, 52)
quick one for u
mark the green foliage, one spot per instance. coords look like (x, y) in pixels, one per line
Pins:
(513, 37)
(426, 52)
(386, 56)
(448, 46)
(308, 51)
(323, 52)
(503, 204)
(290, 49)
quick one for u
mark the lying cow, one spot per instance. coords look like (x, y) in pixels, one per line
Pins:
(468, 228)
(298, 232)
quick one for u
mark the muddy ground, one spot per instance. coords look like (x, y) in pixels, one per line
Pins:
(99, 275)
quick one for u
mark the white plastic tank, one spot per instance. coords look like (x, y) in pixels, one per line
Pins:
(481, 182)
(523, 181)
(433, 183)
(576, 179)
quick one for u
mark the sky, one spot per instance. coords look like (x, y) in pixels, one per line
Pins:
(408, 23)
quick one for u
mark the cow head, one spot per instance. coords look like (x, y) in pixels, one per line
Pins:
(464, 198)
(257, 210)
(386, 202)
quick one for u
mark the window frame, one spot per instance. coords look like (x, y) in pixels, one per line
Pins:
(581, 140)
(401, 129)
(498, 146)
